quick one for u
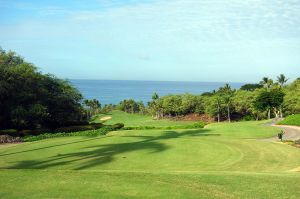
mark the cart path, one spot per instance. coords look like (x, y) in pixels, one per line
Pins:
(290, 133)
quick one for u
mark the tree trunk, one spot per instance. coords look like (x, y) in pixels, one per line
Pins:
(277, 113)
(269, 114)
(228, 113)
(218, 113)
(280, 110)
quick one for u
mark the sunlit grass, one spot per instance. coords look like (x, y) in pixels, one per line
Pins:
(220, 161)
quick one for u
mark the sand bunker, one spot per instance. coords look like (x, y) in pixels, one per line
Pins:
(105, 118)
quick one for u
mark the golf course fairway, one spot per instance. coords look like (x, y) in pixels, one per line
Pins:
(220, 161)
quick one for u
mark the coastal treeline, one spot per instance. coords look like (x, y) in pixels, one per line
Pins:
(30, 99)
(263, 100)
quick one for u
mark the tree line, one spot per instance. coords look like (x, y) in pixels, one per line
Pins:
(30, 99)
(263, 100)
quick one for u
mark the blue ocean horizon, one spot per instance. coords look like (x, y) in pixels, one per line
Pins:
(114, 91)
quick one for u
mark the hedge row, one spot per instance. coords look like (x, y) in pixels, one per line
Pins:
(190, 126)
(102, 131)
(22, 133)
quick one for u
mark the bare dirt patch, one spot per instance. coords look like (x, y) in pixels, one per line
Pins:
(194, 117)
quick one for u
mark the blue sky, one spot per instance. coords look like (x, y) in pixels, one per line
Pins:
(177, 40)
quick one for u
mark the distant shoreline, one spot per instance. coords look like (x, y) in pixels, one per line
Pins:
(114, 91)
(133, 80)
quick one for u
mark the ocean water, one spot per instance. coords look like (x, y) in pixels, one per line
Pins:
(114, 91)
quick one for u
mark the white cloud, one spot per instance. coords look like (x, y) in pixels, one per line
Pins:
(185, 34)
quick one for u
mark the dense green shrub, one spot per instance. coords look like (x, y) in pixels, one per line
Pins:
(118, 126)
(198, 125)
(190, 126)
(247, 118)
(30, 99)
(27, 132)
(62, 134)
(92, 126)
(131, 106)
(11, 132)
(75, 128)
(96, 132)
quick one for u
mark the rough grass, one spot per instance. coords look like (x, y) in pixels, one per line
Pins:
(219, 161)
(132, 120)
(291, 120)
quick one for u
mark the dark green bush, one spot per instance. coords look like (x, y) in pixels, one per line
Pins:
(11, 132)
(97, 125)
(102, 130)
(247, 118)
(198, 125)
(75, 128)
(26, 132)
(76, 123)
(67, 129)
(118, 126)
(190, 126)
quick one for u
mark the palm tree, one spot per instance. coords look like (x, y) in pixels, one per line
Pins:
(155, 105)
(87, 103)
(281, 79)
(155, 96)
(266, 82)
(227, 94)
(218, 103)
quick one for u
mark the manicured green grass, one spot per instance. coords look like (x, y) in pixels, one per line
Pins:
(291, 120)
(219, 161)
(138, 120)
(28, 184)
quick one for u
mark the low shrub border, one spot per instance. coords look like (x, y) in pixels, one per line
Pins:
(11, 132)
(92, 131)
(196, 125)
(102, 131)
(67, 129)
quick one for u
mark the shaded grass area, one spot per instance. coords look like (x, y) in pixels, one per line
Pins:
(134, 120)
(291, 120)
(220, 161)
(91, 133)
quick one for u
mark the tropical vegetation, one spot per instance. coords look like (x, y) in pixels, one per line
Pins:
(30, 99)
(251, 102)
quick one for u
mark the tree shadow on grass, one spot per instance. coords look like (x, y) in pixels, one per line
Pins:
(101, 154)
(56, 145)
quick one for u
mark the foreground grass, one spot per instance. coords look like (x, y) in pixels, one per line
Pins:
(138, 120)
(291, 120)
(90, 184)
(220, 161)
